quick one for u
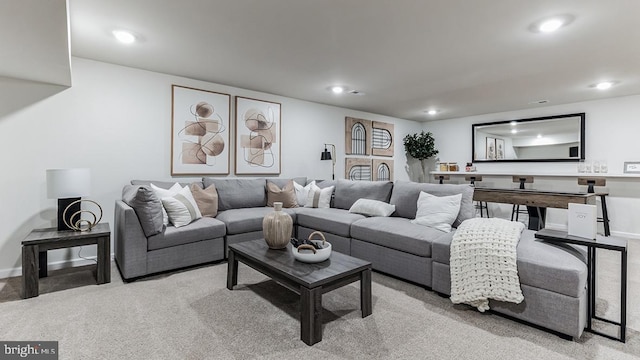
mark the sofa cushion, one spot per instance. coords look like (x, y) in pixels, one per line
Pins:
(162, 193)
(396, 233)
(437, 212)
(405, 197)
(164, 184)
(202, 229)
(319, 197)
(302, 192)
(281, 182)
(370, 207)
(147, 206)
(239, 221)
(207, 199)
(238, 193)
(349, 191)
(181, 207)
(334, 221)
(558, 268)
(285, 194)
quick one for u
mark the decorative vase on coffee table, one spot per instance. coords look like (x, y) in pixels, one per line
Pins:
(276, 227)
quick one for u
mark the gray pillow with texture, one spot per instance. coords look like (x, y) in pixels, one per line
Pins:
(349, 191)
(405, 197)
(164, 184)
(239, 193)
(282, 182)
(147, 206)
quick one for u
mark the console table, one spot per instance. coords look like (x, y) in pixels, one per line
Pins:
(39, 241)
(600, 242)
(536, 201)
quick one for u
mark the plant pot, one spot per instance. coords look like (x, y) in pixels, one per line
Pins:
(276, 227)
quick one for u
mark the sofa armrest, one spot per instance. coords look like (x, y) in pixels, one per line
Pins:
(130, 244)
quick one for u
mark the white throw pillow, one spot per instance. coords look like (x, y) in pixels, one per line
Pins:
(302, 192)
(163, 193)
(371, 207)
(181, 208)
(319, 198)
(438, 212)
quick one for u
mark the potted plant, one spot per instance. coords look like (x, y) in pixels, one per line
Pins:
(421, 147)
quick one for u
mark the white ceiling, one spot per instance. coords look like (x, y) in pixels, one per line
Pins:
(459, 56)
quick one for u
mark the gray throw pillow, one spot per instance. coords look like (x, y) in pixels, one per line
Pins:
(405, 196)
(147, 206)
(349, 191)
(239, 193)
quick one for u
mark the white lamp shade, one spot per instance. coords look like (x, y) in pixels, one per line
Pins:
(68, 183)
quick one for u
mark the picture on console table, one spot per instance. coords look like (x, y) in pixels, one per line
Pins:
(199, 131)
(258, 130)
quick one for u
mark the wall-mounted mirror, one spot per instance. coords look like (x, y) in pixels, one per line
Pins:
(551, 138)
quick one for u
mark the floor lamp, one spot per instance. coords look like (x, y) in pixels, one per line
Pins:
(326, 155)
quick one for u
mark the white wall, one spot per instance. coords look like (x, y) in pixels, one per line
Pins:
(612, 128)
(116, 121)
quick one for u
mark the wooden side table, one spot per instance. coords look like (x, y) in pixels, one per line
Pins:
(39, 241)
(600, 242)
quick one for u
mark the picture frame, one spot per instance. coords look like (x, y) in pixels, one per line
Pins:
(490, 147)
(199, 131)
(258, 137)
(632, 167)
(358, 169)
(500, 149)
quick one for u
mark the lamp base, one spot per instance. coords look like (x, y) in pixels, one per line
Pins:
(62, 205)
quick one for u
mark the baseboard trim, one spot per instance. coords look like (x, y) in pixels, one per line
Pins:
(7, 273)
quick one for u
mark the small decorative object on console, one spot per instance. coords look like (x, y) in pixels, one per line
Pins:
(470, 167)
(318, 252)
(276, 227)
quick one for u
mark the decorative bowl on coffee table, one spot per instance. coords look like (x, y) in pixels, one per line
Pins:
(313, 254)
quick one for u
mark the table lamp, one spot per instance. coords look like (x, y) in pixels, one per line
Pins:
(68, 186)
(326, 155)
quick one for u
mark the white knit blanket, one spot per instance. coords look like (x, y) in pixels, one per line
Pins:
(483, 262)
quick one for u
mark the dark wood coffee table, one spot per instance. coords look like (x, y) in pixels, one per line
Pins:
(310, 281)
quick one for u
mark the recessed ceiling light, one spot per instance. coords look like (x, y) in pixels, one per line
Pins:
(552, 24)
(432, 112)
(604, 85)
(124, 36)
(513, 131)
(513, 123)
(337, 89)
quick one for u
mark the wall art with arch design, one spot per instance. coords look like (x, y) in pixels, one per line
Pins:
(199, 131)
(258, 132)
(358, 169)
(382, 169)
(364, 138)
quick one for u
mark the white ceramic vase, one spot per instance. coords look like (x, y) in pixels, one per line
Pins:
(276, 227)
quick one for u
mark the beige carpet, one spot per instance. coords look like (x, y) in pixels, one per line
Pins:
(191, 315)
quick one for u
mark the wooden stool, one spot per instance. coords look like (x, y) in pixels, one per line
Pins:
(596, 181)
(440, 178)
(515, 210)
(479, 204)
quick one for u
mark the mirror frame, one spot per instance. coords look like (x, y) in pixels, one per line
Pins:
(582, 138)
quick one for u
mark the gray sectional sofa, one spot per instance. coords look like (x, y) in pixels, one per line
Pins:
(553, 278)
